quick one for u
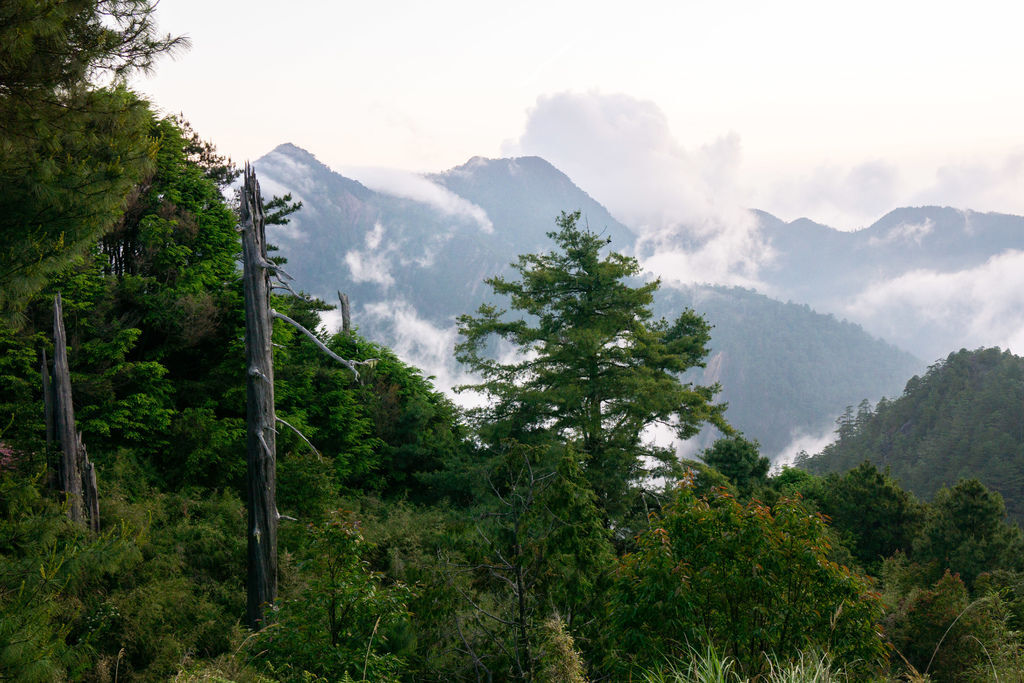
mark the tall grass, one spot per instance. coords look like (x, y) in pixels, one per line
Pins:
(706, 665)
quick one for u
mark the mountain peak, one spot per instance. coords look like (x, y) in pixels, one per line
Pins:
(293, 151)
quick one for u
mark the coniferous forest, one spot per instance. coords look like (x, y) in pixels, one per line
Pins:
(538, 536)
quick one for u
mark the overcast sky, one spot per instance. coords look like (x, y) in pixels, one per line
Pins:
(834, 111)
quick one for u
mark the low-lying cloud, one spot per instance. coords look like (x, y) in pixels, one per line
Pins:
(684, 203)
(414, 186)
(802, 442)
(905, 233)
(372, 264)
(981, 306)
(421, 343)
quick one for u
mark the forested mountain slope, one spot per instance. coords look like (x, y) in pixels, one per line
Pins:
(785, 370)
(963, 418)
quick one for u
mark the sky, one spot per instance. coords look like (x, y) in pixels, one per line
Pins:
(834, 112)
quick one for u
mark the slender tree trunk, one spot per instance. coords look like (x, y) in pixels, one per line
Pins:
(260, 442)
(70, 472)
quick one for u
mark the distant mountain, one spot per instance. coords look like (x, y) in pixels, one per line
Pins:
(961, 419)
(899, 276)
(432, 252)
(415, 257)
(785, 370)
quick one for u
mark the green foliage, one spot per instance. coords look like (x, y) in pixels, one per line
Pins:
(752, 580)
(703, 665)
(544, 551)
(592, 367)
(961, 419)
(163, 580)
(70, 150)
(944, 634)
(871, 513)
(334, 622)
(740, 462)
(965, 532)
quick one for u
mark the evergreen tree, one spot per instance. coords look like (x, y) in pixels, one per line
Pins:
(70, 150)
(966, 532)
(741, 463)
(591, 365)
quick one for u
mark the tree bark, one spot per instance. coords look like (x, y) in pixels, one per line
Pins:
(70, 472)
(52, 468)
(90, 491)
(260, 442)
(346, 320)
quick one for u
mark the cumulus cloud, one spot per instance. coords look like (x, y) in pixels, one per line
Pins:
(980, 306)
(684, 203)
(413, 186)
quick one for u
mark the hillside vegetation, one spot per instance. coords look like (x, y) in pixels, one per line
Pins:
(962, 418)
(538, 537)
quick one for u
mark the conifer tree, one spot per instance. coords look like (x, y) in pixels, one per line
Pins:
(592, 367)
(73, 139)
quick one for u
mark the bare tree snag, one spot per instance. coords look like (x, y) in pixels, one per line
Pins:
(44, 370)
(346, 320)
(261, 440)
(70, 472)
(52, 472)
(90, 491)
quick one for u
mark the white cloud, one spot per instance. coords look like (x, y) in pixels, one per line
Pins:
(422, 344)
(992, 184)
(981, 306)
(685, 204)
(416, 187)
(372, 264)
(905, 232)
(854, 195)
(842, 197)
(807, 442)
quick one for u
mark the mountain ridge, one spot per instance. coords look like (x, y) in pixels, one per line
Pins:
(411, 265)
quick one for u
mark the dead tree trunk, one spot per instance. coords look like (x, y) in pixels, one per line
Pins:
(77, 474)
(90, 492)
(261, 443)
(70, 472)
(52, 468)
(346, 320)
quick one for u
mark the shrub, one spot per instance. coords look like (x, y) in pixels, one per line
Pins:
(753, 581)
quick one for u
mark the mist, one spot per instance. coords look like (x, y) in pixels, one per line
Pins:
(683, 203)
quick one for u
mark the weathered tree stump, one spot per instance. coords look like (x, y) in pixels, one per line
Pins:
(52, 468)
